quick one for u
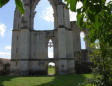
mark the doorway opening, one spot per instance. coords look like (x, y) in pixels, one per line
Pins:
(51, 68)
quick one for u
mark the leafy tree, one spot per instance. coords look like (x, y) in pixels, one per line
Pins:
(17, 2)
(96, 17)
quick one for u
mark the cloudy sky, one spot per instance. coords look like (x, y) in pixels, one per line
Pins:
(43, 21)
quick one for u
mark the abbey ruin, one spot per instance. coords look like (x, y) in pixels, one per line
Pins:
(30, 47)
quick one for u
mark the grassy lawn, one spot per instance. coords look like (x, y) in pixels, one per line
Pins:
(51, 70)
(58, 80)
(62, 80)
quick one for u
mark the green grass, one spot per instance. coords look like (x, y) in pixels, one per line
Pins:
(60, 80)
(51, 70)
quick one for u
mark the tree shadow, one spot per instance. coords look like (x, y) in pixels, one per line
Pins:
(5, 78)
(66, 80)
(58, 80)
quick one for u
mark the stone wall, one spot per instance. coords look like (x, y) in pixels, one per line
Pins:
(30, 47)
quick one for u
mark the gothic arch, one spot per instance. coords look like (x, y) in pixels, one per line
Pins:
(35, 3)
(52, 2)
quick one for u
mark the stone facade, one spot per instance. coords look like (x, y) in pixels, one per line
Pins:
(30, 47)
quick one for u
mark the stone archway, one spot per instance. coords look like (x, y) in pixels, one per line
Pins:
(53, 5)
(51, 68)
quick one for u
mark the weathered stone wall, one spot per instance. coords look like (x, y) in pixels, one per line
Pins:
(30, 47)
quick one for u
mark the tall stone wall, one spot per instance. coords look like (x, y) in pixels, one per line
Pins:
(30, 47)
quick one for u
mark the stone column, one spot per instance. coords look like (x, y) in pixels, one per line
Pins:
(76, 41)
(20, 52)
(66, 18)
(25, 20)
(60, 12)
(62, 63)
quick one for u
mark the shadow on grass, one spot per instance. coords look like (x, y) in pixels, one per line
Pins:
(65, 80)
(5, 78)
(59, 80)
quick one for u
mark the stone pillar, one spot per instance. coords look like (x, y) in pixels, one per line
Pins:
(17, 19)
(66, 18)
(25, 20)
(62, 63)
(65, 43)
(76, 41)
(60, 12)
(69, 52)
(20, 52)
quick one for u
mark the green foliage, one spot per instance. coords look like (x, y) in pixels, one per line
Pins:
(3, 2)
(51, 70)
(18, 4)
(73, 4)
(96, 17)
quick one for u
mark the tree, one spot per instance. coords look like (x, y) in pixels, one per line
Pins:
(17, 2)
(96, 17)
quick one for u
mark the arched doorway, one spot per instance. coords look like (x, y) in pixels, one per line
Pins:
(51, 68)
(51, 65)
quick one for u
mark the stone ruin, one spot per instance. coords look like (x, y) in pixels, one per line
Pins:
(4, 66)
(30, 47)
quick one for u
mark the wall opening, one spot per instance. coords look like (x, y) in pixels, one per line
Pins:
(44, 19)
(50, 49)
(51, 68)
(83, 43)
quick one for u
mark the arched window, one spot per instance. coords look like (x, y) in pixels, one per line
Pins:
(44, 19)
(83, 44)
(50, 49)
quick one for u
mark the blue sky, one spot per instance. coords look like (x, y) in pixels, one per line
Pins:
(43, 21)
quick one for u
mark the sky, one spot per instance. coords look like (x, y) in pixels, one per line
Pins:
(43, 21)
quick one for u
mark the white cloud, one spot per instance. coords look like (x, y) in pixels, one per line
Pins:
(2, 29)
(5, 55)
(47, 14)
(8, 48)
